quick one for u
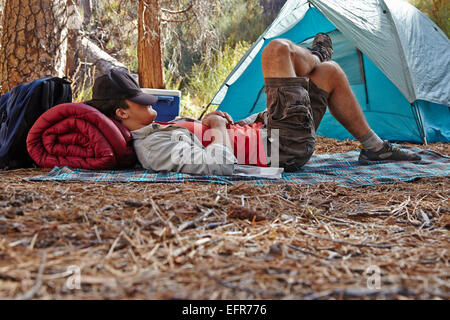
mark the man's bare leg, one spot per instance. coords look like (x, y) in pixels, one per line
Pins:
(282, 58)
(342, 102)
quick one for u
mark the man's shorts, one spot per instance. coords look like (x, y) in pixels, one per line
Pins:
(295, 106)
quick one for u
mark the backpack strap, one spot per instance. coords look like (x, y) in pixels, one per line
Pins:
(62, 90)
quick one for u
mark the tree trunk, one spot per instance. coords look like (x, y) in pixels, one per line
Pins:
(150, 67)
(73, 36)
(34, 41)
(271, 9)
(1, 22)
(87, 12)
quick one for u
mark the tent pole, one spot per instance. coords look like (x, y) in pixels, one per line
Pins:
(363, 73)
(204, 111)
(416, 119)
(256, 101)
(419, 122)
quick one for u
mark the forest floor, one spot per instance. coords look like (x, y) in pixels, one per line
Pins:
(209, 241)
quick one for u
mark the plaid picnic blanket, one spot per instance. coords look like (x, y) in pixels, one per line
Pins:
(342, 169)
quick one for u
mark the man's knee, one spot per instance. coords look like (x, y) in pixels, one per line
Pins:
(328, 75)
(277, 49)
(331, 69)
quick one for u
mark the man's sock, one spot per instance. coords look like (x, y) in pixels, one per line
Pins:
(371, 141)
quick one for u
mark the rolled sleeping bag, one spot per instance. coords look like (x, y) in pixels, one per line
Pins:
(80, 136)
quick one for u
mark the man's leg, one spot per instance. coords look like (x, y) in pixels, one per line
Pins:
(289, 112)
(282, 58)
(345, 108)
(342, 102)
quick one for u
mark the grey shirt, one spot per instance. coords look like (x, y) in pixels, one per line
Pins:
(174, 148)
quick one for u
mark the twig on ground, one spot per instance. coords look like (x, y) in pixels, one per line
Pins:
(30, 294)
(373, 245)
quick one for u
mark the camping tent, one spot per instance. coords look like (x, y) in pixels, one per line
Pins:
(396, 59)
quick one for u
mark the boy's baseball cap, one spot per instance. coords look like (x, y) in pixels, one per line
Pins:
(117, 84)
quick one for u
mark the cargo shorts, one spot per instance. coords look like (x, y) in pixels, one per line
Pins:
(295, 107)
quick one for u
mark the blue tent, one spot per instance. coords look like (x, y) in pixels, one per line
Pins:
(396, 59)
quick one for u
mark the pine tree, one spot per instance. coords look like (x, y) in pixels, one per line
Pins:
(33, 42)
(150, 68)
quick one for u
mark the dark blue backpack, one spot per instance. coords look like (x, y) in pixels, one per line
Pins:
(19, 110)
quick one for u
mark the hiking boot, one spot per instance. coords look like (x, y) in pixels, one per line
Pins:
(322, 47)
(388, 153)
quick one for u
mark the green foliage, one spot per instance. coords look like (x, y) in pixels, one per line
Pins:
(199, 53)
(82, 82)
(212, 24)
(82, 94)
(131, 52)
(243, 22)
(205, 80)
(113, 28)
(188, 108)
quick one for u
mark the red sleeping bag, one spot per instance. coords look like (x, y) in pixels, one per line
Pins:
(79, 136)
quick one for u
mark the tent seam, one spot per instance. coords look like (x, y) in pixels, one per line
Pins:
(402, 52)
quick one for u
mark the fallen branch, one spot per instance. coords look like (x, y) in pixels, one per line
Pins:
(374, 245)
(193, 223)
(102, 61)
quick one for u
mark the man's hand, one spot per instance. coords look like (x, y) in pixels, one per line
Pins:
(220, 114)
(218, 129)
(214, 121)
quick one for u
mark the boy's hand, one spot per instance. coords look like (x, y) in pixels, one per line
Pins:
(221, 114)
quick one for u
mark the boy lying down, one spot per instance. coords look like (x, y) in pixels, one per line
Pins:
(183, 145)
(299, 85)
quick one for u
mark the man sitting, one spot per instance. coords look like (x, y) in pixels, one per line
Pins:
(299, 85)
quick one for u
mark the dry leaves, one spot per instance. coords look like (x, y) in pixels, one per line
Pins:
(205, 241)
